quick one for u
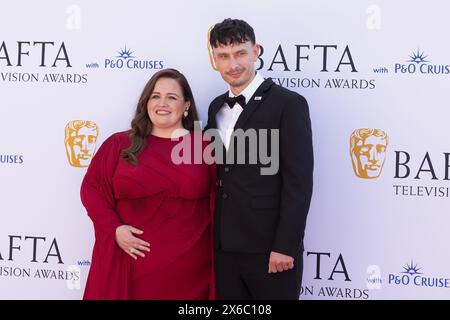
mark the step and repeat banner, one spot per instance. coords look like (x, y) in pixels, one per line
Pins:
(376, 75)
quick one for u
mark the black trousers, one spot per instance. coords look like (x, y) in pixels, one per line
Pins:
(244, 276)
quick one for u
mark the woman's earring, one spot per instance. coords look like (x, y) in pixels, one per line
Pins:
(185, 113)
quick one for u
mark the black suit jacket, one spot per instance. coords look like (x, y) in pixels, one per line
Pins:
(257, 213)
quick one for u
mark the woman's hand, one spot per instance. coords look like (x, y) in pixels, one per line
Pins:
(129, 243)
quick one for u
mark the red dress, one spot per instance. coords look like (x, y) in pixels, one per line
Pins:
(171, 203)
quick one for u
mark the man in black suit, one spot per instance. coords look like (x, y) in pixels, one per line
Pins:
(260, 218)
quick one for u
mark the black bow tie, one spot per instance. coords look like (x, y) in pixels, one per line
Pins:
(231, 101)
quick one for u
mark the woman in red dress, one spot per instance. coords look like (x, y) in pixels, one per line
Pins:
(152, 217)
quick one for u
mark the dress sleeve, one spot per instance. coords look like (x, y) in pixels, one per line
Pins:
(97, 193)
(109, 274)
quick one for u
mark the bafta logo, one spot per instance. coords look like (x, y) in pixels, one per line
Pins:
(368, 152)
(210, 53)
(80, 142)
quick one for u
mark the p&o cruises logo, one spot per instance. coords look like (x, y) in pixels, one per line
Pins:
(418, 62)
(412, 275)
(126, 59)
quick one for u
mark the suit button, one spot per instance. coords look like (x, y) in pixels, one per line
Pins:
(227, 169)
(224, 195)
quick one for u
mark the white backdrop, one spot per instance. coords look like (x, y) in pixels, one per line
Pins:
(385, 65)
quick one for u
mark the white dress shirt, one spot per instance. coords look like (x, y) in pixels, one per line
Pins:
(227, 117)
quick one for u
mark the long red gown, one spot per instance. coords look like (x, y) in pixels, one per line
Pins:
(171, 203)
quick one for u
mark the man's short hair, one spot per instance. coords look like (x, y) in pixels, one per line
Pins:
(231, 31)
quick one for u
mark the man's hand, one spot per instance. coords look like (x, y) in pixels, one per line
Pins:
(279, 262)
(129, 243)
